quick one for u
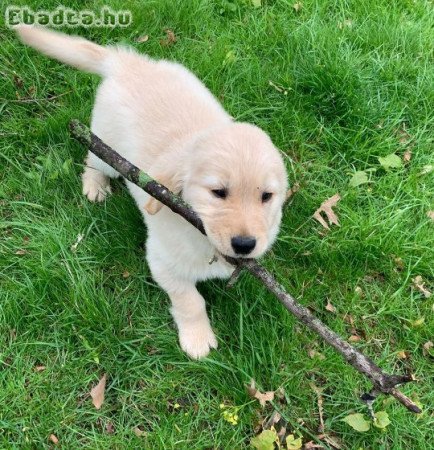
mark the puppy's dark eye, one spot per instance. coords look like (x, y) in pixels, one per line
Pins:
(266, 196)
(220, 193)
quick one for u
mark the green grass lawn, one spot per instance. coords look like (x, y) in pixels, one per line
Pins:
(351, 81)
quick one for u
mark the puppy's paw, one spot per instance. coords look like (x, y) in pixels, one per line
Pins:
(96, 186)
(197, 339)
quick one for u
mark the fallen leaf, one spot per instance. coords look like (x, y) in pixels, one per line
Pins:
(403, 135)
(357, 422)
(53, 439)
(39, 368)
(427, 348)
(139, 432)
(278, 88)
(399, 262)
(315, 354)
(359, 177)
(256, 393)
(418, 322)
(312, 445)
(21, 252)
(142, 39)
(97, 392)
(407, 156)
(326, 208)
(265, 440)
(402, 354)
(230, 57)
(359, 291)
(297, 7)
(292, 443)
(348, 23)
(290, 192)
(391, 161)
(348, 318)
(77, 242)
(18, 82)
(334, 441)
(126, 274)
(354, 338)
(318, 392)
(430, 214)
(419, 284)
(330, 307)
(170, 38)
(381, 419)
(428, 168)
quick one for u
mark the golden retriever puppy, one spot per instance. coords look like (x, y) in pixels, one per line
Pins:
(160, 117)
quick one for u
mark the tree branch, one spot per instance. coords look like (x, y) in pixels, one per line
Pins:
(382, 382)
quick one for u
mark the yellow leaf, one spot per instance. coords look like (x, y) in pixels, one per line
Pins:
(292, 443)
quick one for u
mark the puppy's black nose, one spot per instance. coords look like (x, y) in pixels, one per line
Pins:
(243, 245)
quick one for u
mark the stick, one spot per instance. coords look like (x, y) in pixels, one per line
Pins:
(382, 382)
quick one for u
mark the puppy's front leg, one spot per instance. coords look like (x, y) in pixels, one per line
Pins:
(188, 310)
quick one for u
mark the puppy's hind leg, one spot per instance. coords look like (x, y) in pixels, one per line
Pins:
(188, 310)
(96, 178)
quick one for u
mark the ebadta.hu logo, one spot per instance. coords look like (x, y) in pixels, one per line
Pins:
(63, 16)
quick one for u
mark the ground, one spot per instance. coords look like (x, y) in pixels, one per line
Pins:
(337, 84)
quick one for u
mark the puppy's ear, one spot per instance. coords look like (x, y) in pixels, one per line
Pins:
(171, 180)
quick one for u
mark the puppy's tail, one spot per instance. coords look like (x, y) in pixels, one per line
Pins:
(72, 50)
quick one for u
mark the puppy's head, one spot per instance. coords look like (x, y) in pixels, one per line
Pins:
(236, 182)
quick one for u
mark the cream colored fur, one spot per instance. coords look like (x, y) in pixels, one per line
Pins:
(159, 116)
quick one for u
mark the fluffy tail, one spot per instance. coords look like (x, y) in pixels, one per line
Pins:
(72, 50)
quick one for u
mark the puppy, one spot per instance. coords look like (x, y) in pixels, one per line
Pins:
(160, 117)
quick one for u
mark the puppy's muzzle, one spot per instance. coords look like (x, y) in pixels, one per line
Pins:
(243, 245)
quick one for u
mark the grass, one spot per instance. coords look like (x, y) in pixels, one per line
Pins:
(350, 75)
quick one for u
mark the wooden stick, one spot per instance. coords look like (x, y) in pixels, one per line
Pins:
(382, 382)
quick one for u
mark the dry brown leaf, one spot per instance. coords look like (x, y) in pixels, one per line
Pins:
(354, 338)
(407, 156)
(109, 428)
(427, 347)
(138, 432)
(21, 252)
(402, 354)
(39, 368)
(315, 354)
(263, 398)
(290, 192)
(311, 445)
(126, 274)
(430, 214)
(170, 38)
(97, 392)
(334, 441)
(18, 82)
(403, 135)
(142, 39)
(326, 208)
(53, 439)
(330, 307)
(419, 284)
(318, 392)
